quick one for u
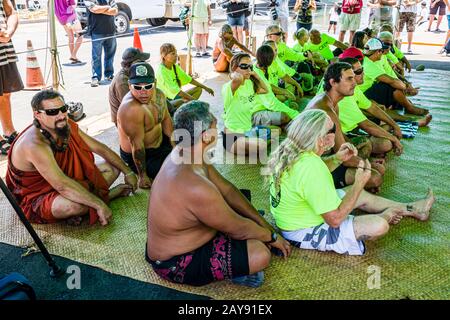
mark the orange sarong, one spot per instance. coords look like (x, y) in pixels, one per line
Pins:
(35, 195)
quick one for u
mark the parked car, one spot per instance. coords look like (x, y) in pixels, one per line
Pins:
(155, 12)
(262, 6)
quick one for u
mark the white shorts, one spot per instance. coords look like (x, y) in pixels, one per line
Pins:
(341, 240)
(266, 118)
(200, 27)
(350, 22)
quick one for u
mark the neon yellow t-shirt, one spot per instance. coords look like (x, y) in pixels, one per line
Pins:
(306, 192)
(287, 54)
(298, 48)
(392, 58)
(238, 108)
(371, 72)
(269, 101)
(323, 47)
(350, 114)
(384, 63)
(167, 81)
(398, 53)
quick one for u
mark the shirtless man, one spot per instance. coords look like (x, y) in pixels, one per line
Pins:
(209, 231)
(340, 82)
(51, 168)
(144, 125)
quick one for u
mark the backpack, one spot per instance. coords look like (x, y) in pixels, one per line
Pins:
(16, 287)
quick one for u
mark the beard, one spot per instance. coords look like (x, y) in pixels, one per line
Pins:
(62, 132)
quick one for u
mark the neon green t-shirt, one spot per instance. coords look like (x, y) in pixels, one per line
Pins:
(323, 47)
(287, 54)
(269, 101)
(392, 58)
(167, 80)
(371, 72)
(384, 63)
(306, 192)
(276, 71)
(298, 48)
(398, 53)
(350, 114)
(238, 108)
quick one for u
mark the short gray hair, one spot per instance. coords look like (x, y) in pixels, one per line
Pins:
(193, 117)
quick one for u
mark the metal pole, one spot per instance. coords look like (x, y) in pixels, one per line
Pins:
(190, 32)
(54, 48)
(55, 271)
(251, 25)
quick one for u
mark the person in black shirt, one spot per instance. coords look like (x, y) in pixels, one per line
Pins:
(102, 29)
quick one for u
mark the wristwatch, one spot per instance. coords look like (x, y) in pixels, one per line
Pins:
(273, 237)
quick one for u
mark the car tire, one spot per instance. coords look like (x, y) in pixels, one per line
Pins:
(122, 22)
(156, 22)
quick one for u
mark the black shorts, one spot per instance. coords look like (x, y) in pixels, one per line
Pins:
(219, 259)
(333, 23)
(10, 80)
(440, 6)
(383, 94)
(339, 177)
(154, 157)
(229, 138)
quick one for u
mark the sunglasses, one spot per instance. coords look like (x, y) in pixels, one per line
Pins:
(359, 71)
(245, 66)
(146, 87)
(55, 111)
(276, 34)
(332, 130)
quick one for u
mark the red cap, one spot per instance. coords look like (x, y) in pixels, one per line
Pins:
(352, 52)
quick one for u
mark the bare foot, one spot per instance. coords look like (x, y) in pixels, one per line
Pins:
(121, 190)
(392, 215)
(421, 209)
(74, 221)
(417, 111)
(425, 121)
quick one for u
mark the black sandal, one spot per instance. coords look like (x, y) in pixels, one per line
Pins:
(4, 147)
(10, 139)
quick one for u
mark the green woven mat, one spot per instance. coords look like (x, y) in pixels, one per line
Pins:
(414, 258)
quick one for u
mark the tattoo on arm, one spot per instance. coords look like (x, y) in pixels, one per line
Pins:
(139, 161)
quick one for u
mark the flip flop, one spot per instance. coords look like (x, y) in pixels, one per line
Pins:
(75, 61)
(4, 147)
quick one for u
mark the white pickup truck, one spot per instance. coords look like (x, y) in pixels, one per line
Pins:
(155, 12)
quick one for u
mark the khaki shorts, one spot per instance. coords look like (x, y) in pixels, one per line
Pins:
(200, 27)
(267, 118)
(350, 22)
(408, 18)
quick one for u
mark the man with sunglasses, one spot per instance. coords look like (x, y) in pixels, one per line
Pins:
(51, 168)
(339, 82)
(144, 124)
(381, 87)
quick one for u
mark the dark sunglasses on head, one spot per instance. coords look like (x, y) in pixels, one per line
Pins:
(332, 130)
(146, 87)
(55, 111)
(359, 71)
(245, 66)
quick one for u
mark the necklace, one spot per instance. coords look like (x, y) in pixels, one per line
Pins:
(332, 103)
(53, 144)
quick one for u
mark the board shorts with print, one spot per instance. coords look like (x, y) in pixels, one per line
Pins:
(341, 240)
(220, 258)
(408, 19)
(440, 6)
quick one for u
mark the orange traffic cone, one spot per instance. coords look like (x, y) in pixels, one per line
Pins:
(137, 40)
(34, 79)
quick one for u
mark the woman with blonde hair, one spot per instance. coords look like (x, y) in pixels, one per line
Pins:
(171, 79)
(308, 209)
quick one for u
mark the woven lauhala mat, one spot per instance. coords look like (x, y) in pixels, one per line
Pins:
(413, 259)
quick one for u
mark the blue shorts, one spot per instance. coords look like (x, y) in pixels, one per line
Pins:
(236, 21)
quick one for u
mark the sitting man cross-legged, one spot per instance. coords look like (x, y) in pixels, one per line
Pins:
(308, 209)
(209, 231)
(51, 168)
(144, 124)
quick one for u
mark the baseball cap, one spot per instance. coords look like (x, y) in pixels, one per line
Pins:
(352, 52)
(133, 54)
(141, 72)
(374, 44)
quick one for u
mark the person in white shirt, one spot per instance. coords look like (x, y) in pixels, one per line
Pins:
(408, 13)
(282, 7)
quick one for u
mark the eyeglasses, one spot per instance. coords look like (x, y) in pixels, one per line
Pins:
(146, 87)
(245, 66)
(359, 71)
(55, 111)
(333, 129)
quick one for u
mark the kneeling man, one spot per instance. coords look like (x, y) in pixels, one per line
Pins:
(51, 168)
(144, 124)
(209, 231)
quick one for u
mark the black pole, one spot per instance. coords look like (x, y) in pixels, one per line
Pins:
(55, 271)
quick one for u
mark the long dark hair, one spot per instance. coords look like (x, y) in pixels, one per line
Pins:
(265, 56)
(358, 40)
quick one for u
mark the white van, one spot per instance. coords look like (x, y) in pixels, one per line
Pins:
(155, 12)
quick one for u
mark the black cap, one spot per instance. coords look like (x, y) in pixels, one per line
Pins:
(141, 72)
(133, 54)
